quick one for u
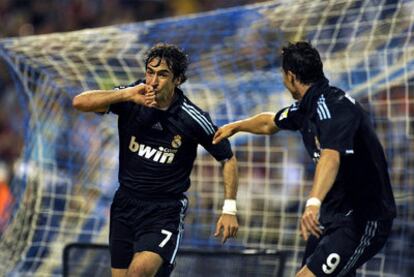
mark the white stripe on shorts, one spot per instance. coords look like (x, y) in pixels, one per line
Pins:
(184, 202)
(370, 232)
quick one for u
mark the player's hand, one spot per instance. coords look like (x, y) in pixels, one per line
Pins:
(150, 98)
(142, 94)
(309, 223)
(227, 225)
(223, 132)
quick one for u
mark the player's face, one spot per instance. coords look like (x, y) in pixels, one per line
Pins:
(289, 83)
(161, 78)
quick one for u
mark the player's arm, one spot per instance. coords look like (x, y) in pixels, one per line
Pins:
(227, 223)
(99, 100)
(261, 124)
(325, 175)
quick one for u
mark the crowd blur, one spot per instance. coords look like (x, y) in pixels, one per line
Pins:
(30, 17)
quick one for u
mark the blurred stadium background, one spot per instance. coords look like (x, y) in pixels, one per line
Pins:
(58, 167)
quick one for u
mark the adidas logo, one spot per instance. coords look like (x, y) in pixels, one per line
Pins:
(157, 126)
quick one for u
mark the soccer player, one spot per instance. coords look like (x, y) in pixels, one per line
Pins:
(350, 209)
(159, 130)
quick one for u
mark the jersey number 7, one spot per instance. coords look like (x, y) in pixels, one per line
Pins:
(168, 235)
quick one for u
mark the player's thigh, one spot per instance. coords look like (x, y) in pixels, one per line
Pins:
(145, 263)
(161, 231)
(163, 241)
(334, 251)
(305, 272)
(121, 237)
(121, 246)
(373, 239)
(117, 272)
(311, 245)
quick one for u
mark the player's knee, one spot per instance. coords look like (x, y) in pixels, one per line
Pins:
(305, 272)
(141, 270)
(144, 264)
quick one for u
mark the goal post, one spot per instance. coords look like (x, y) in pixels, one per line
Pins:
(82, 259)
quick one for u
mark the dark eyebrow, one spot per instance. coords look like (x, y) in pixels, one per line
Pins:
(159, 71)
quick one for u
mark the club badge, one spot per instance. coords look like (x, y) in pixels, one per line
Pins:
(176, 141)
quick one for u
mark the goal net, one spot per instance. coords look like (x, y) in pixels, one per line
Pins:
(93, 259)
(67, 173)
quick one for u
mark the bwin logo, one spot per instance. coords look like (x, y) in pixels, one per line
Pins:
(160, 155)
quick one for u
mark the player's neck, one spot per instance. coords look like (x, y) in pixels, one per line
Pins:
(302, 89)
(165, 103)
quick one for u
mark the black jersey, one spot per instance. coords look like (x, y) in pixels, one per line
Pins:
(158, 148)
(328, 118)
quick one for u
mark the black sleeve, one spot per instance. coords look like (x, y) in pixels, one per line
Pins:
(289, 118)
(122, 108)
(337, 125)
(205, 133)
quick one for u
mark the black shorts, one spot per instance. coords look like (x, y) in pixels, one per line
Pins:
(342, 249)
(145, 225)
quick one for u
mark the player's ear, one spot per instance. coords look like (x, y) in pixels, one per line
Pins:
(177, 81)
(291, 76)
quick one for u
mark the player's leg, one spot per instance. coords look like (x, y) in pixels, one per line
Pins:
(121, 248)
(311, 245)
(335, 246)
(116, 272)
(344, 248)
(121, 242)
(145, 264)
(374, 236)
(305, 272)
(158, 233)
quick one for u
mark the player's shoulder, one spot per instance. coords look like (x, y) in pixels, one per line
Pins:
(196, 118)
(335, 102)
(336, 96)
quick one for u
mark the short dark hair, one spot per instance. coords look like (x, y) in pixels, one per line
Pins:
(175, 58)
(304, 61)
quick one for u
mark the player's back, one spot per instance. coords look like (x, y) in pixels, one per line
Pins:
(366, 171)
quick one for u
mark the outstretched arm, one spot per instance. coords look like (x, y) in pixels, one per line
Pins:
(261, 124)
(325, 175)
(227, 223)
(99, 100)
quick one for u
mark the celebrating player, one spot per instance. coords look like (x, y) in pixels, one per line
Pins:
(159, 130)
(350, 209)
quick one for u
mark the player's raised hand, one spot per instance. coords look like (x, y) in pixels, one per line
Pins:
(142, 94)
(223, 132)
(309, 223)
(150, 97)
(228, 226)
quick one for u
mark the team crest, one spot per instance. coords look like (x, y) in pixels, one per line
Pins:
(176, 141)
(284, 114)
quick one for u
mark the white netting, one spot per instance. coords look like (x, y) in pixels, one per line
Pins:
(67, 174)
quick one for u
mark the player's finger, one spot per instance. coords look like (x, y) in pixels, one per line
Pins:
(234, 230)
(315, 231)
(304, 232)
(150, 103)
(149, 89)
(140, 89)
(316, 228)
(217, 137)
(226, 234)
(150, 94)
(311, 226)
(218, 229)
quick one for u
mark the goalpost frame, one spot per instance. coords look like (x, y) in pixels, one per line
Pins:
(280, 256)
